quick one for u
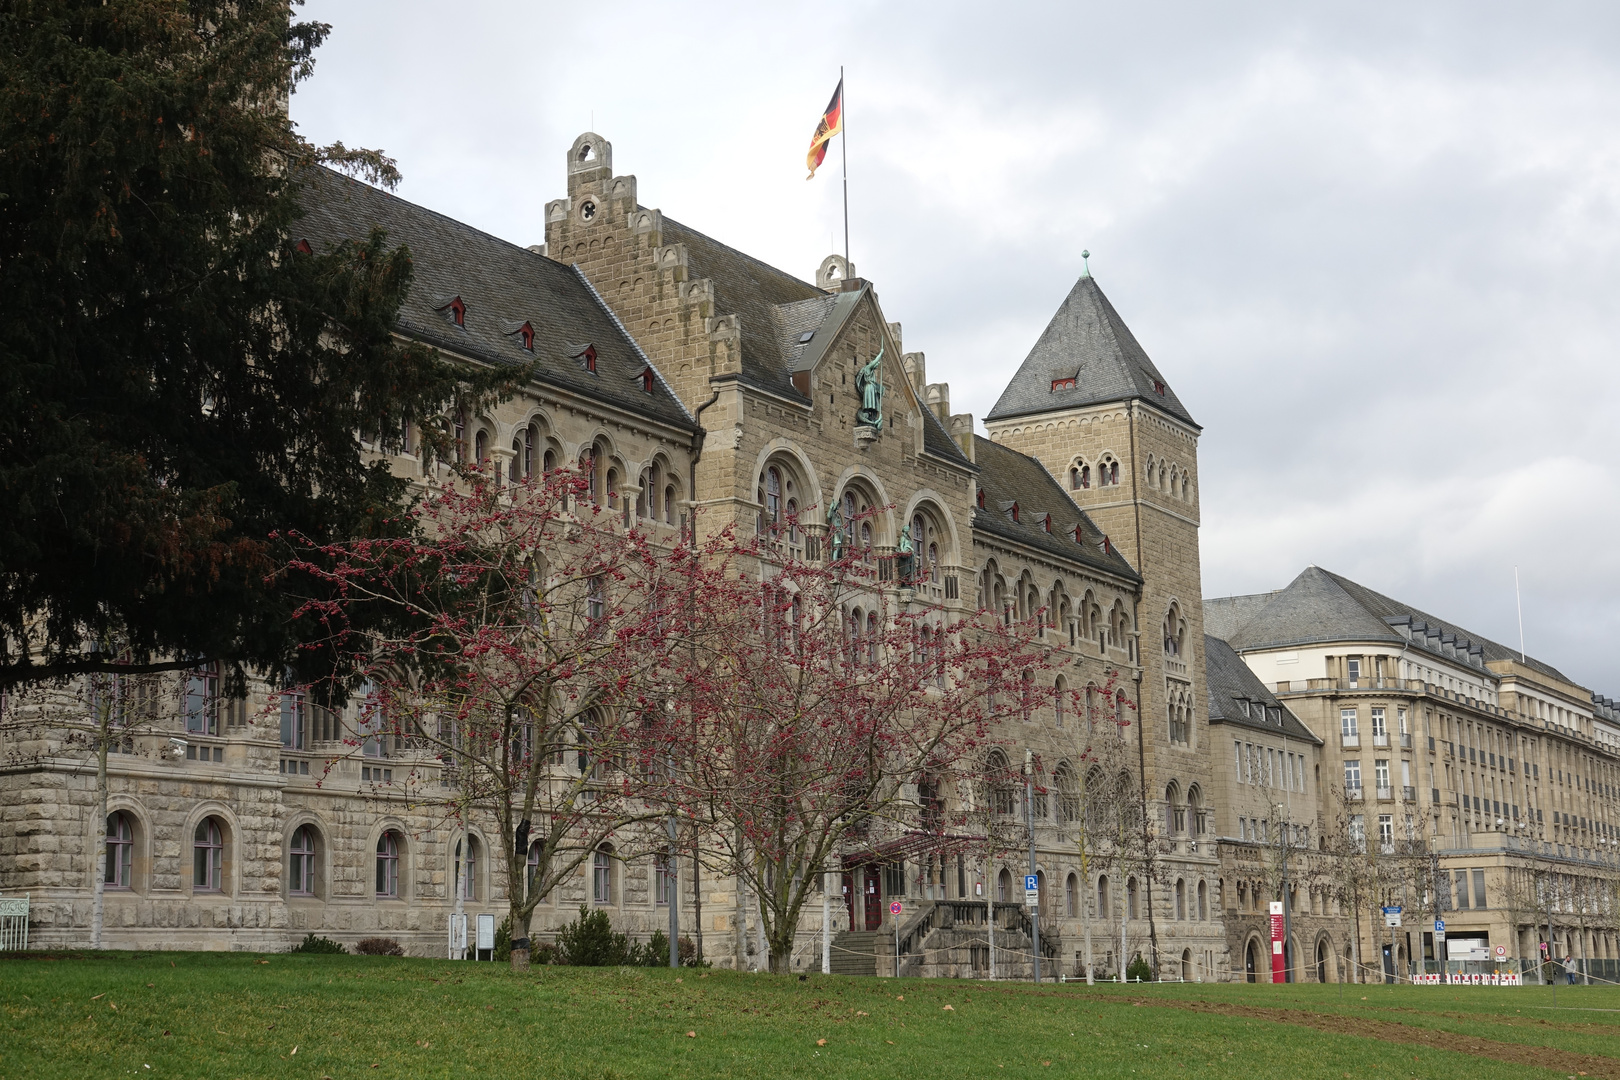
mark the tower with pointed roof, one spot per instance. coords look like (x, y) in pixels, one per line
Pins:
(1094, 409)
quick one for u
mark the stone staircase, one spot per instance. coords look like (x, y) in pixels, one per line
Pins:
(854, 952)
(942, 939)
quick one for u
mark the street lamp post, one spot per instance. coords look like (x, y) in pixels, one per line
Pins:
(1029, 820)
(1288, 908)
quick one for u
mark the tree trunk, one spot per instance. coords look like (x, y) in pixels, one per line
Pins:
(520, 933)
(1085, 921)
(457, 914)
(98, 892)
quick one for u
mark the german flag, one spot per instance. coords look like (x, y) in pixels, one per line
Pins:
(832, 122)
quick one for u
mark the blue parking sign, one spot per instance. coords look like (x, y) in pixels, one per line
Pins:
(1031, 882)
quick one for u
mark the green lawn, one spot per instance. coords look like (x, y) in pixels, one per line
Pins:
(219, 1015)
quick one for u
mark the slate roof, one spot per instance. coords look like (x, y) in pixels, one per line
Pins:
(1007, 477)
(1230, 683)
(750, 289)
(1319, 607)
(775, 309)
(1088, 342)
(503, 286)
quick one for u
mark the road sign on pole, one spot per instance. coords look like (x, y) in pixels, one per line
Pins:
(1279, 972)
(1439, 929)
(894, 908)
(1501, 953)
(1392, 915)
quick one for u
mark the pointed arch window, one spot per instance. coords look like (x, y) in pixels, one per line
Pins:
(120, 852)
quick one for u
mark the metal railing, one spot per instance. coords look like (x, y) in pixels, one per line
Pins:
(14, 924)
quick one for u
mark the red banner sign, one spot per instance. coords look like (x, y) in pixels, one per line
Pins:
(1278, 970)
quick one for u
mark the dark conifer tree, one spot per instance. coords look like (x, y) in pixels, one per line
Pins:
(178, 380)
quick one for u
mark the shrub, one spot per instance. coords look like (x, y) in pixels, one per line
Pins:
(318, 945)
(503, 941)
(1138, 971)
(543, 952)
(379, 946)
(688, 953)
(654, 952)
(590, 941)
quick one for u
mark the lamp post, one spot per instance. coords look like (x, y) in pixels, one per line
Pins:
(1281, 812)
(1029, 820)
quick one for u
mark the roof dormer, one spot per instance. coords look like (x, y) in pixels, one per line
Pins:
(454, 309)
(586, 355)
(523, 334)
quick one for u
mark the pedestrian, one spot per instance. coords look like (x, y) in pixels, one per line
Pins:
(1569, 970)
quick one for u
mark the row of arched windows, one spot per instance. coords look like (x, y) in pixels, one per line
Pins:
(1169, 479)
(1104, 473)
(1080, 618)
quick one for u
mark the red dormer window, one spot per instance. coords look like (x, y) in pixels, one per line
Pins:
(1108, 549)
(525, 335)
(1079, 535)
(1062, 384)
(1046, 522)
(456, 311)
(587, 356)
(1013, 510)
(1158, 387)
(303, 248)
(646, 378)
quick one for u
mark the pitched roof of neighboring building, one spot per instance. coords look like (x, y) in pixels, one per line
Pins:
(1008, 478)
(1088, 342)
(502, 285)
(1320, 607)
(1234, 693)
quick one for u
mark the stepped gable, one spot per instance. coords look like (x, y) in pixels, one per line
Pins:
(1230, 684)
(1390, 611)
(1088, 342)
(752, 290)
(1008, 478)
(502, 285)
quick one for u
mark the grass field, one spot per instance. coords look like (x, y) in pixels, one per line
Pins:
(221, 1015)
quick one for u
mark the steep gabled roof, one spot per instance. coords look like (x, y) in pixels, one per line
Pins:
(1007, 477)
(1088, 342)
(1232, 685)
(502, 285)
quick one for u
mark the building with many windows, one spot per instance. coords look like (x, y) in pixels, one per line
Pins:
(1463, 781)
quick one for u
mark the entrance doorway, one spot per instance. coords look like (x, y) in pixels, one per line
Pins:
(849, 899)
(1321, 961)
(1186, 965)
(874, 898)
(1251, 961)
(1389, 963)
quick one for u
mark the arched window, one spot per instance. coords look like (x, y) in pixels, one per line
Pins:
(1203, 901)
(1102, 897)
(1060, 694)
(481, 447)
(1004, 885)
(549, 462)
(536, 849)
(669, 505)
(517, 468)
(301, 863)
(1176, 814)
(1004, 794)
(467, 869)
(388, 845)
(602, 875)
(1130, 898)
(1068, 793)
(208, 857)
(872, 638)
(1181, 899)
(120, 872)
(1071, 896)
(1195, 810)
(587, 465)
(773, 496)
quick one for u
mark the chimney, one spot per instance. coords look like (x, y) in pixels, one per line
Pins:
(961, 427)
(937, 396)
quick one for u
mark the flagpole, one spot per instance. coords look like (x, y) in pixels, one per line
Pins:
(843, 142)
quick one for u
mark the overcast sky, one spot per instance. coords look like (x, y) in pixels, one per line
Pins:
(1375, 248)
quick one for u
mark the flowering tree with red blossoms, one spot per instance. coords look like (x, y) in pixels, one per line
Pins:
(531, 643)
(821, 712)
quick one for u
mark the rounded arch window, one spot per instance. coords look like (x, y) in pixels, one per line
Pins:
(602, 875)
(927, 541)
(466, 867)
(481, 446)
(208, 856)
(120, 870)
(389, 849)
(301, 862)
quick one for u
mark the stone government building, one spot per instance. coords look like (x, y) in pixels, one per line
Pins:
(684, 373)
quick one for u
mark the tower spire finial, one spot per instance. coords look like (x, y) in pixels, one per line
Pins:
(1085, 260)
